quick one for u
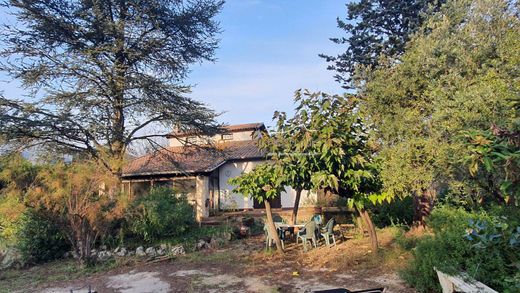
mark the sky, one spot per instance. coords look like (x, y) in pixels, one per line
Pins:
(268, 49)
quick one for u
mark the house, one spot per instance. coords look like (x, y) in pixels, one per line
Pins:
(200, 167)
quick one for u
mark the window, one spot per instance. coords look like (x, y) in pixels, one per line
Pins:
(227, 136)
(192, 139)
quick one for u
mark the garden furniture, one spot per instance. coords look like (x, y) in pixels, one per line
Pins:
(269, 239)
(327, 232)
(307, 234)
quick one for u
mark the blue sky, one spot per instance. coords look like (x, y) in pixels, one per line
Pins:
(268, 49)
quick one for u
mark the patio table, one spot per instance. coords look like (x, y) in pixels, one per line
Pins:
(282, 227)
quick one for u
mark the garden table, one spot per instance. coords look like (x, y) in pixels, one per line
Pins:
(282, 228)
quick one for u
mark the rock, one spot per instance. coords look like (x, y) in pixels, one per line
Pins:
(244, 232)
(216, 242)
(140, 251)
(121, 251)
(117, 249)
(104, 255)
(177, 250)
(103, 247)
(150, 251)
(12, 258)
(202, 244)
(227, 236)
(93, 253)
(164, 247)
(161, 251)
(67, 254)
(74, 254)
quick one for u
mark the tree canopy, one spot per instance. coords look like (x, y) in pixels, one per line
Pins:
(375, 28)
(99, 73)
(459, 74)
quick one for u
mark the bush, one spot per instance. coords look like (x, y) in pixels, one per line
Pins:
(396, 212)
(39, 239)
(458, 245)
(161, 214)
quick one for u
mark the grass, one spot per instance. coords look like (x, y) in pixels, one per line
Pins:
(246, 255)
(59, 270)
(68, 269)
(187, 239)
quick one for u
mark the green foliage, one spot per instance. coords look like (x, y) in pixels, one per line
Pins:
(17, 176)
(496, 155)
(398, 212)
(473, 242)
(458, 73)
(375, 28)
(160, 214)
(39, 238)
(263, 183)
(85, 63)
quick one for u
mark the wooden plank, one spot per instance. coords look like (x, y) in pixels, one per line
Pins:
(461, 283)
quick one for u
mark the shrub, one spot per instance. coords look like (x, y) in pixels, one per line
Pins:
(397, 212)
(457, 246)
(161, 214)
(39, 238)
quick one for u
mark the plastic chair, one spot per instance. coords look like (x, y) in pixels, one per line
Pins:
(307, 234)
(269, 240)
(327, 232)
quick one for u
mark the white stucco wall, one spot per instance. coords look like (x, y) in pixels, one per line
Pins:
(307, 198)
(230, 200)
(237, 136)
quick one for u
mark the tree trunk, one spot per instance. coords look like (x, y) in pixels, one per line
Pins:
(359, 223)
(296, 206)
(271, 227)
(370, 227)
(423, 205)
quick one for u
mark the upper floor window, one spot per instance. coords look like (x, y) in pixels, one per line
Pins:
(192, 140)
(227, 136)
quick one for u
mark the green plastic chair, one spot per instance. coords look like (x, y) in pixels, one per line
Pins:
(269, 240)
(327, 232)
(307, 234)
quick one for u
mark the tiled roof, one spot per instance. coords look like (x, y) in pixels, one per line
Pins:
(229, 128)
(191, 159)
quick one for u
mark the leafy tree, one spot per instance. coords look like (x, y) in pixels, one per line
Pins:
(100, 73)
(338, 157)
(263, 183)
(286, 150)
(375, 28)
(458, 75)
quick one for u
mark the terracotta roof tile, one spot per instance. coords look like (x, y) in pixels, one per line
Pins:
(191, 159)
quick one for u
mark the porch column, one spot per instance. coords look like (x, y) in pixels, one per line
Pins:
(202, 198)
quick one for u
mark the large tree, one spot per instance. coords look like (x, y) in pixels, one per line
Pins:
(100, 73)
(459, 75)
(337, 151)
(374, 28)
(287, 149)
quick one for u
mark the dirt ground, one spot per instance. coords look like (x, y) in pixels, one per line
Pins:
(244, 266)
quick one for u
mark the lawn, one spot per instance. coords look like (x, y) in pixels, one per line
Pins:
(243, 265)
